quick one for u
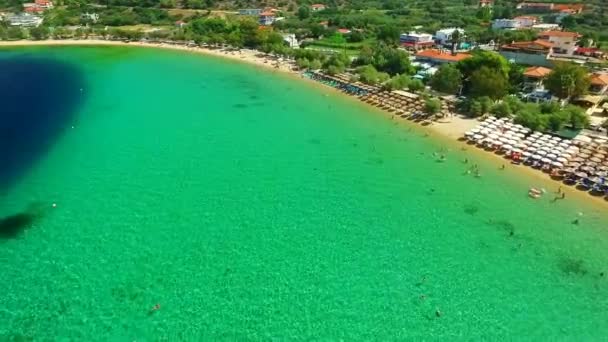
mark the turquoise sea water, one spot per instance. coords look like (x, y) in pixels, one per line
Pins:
(250, 206)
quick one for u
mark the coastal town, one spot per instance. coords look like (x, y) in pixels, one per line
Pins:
(533, 71)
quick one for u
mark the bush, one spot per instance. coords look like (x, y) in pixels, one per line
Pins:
(415, 85)
(501, 110)
(432, 106)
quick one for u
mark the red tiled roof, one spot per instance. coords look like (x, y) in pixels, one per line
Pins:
(267, 14)
(537, 44)
(443, 56)
(573, 7)
(343, 30)
(599, 79)
(42, 2)
(558, 34)
(34, 9)
(537, 72)
(317, 6)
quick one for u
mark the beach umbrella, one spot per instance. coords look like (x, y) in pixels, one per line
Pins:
(564, 144)
(541, 152)
(503, 139)
(583, 155)
(587, 168)
(485, 131)
(566, 155)
(557, 164)
(475, 130)
(493, 136)
(478, 136)
(519, 135)
(526, 154)
(581, 174)
(518, 126)
(513, 142)
(562, 160)
(601, 173)
(600, 141)
(551, 156)
(491, 117)
(536, 157)
(521, 145)
(516, 150)
(556, 139)
(469, 133)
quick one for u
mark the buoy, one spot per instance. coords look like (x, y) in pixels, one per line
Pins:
(54, 205)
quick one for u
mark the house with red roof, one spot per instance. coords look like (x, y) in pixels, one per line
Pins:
(534, 76)
(267, 18)
(534, 53)
(563, 42)
(599, 84)
(317, 7)
(344, 31)
(439, 56)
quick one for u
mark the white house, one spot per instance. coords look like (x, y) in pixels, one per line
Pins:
(563, 42)
(526, 20)
(291, 39)
(416, 40)
(24, 19)
(508, 24)
(444, 36)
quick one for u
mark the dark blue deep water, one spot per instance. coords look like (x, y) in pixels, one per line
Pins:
(39, 99)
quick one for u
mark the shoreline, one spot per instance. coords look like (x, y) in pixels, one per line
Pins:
(450, 130)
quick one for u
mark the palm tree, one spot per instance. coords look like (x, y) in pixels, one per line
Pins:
(455, 40)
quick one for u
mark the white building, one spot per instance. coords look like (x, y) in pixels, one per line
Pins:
(508, 24)
(290, 39)
(444, 36)
(526, 20)
(546, 27)
(24, 19)
(563, 42)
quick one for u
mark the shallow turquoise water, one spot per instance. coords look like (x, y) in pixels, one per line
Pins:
(253, 207)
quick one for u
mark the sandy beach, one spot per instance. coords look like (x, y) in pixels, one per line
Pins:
(451, 128)
(244, 55)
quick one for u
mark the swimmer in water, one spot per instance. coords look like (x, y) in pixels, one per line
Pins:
(502, 167)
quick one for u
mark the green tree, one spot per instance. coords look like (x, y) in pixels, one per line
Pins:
(303, 12)
(557, 120)
(315, 64)
(567, 81)
(576, 117)
(488, 82)
(39, 33)
(397, 82)
(432, 106)
(15, 33)
(303, 63)
(369, 75)
(415, 85)
(488, 59)
(501, 110)
(447, 79)
(388, 34)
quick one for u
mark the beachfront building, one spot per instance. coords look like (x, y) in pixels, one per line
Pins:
(291, 40)
(24, 20)
(444, 36)
(534, 53)
(534, 77)
(505, 24)
(439, 56)
(317, 7)
(527, 20)
(416, 41)
(250, 11)
(563, 42)
(92, 17)
(545, 27)
(599, 84)
(267, 18)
